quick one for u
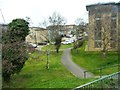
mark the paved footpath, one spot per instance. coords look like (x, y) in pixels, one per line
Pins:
(72, 67)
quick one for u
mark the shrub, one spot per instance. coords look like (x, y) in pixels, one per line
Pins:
(14, 49)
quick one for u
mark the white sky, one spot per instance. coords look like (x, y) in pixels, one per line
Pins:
(38, 10)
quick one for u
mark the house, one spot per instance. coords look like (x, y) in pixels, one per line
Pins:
(70, 29)
(60, 30)
(104, 26)
(37, 35)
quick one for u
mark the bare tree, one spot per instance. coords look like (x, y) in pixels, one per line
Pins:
(80, 27)
(109, 34)
(28, 19)
(56, 23)
(56, 19)
(104, 33)
(44, 24)
(79, 21)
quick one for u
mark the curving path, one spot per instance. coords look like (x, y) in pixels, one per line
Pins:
(72, 67)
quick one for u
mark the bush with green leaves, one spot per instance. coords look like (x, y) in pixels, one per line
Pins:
(18, 29)
(14, 48)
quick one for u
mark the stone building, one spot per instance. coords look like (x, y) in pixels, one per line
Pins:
(37, 35)
(104, 26)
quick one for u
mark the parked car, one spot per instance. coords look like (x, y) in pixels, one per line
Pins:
(33, 45)
(69, 36)
(67, 42)
(52, 42)
(80, 38)
(42, 43)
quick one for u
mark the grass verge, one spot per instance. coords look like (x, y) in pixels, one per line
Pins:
(35, 75)
(92, 60)
(52, 47)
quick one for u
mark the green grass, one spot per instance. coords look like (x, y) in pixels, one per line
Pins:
(35, 75)
(52, 47)
(93, 60)
(66, 46)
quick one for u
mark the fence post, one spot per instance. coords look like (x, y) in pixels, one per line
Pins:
(47, 64)
(85, 74)
(100, 72)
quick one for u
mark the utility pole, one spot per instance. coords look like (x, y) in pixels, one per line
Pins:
(2, 16)
(1, 51)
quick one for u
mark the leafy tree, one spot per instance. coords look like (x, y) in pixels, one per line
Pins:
(14, 49)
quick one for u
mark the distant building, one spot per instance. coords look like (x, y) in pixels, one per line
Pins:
(37, 35)
(56, 30)
(3, 27)
(101, 17)
(70, 28)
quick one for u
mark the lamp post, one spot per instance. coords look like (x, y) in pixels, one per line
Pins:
(1, 29)
(2, 15)
(1, 56)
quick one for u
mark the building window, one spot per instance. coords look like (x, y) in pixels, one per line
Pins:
(98, 23)
(113, 32)
(114, 9)
(113, 18)
(97, 33)
(98, 18)
(113, 22)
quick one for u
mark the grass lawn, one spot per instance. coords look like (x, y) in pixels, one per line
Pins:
(93, 60)
(52, 47)
(35, 75)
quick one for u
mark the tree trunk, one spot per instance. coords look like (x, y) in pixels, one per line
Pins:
(57, 50)
(77, 50)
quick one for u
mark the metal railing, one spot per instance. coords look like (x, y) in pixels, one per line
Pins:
(100, 70)
(111, 81)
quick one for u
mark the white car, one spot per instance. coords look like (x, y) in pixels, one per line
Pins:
(66, 42)
(33, 45)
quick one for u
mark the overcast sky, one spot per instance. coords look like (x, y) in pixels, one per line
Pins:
(38, 10)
